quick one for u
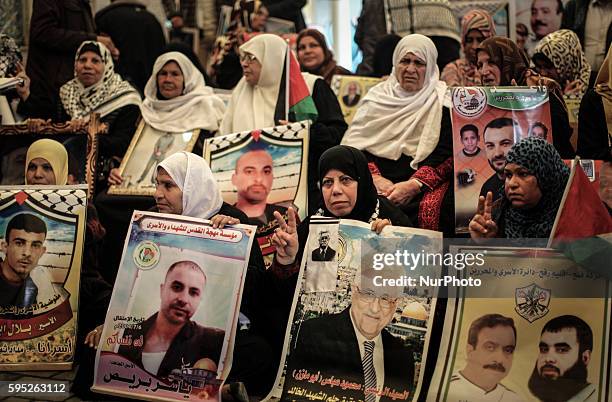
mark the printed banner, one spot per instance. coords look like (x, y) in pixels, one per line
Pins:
(170, 327)
(349, 90)
(263, 171)
(487, 121)
(335, 308)
(43, 230)
(538, 329)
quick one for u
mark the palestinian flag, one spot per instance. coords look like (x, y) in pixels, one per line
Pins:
(296, 104)
(583, 224)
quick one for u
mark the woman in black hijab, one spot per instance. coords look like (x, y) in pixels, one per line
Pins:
(347, 192)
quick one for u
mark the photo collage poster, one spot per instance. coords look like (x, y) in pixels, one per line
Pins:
(321, 355)
(177, 275)
(537, 329)
(487, 121)
(350, 90)
(263, 171)
(42, 231)
(149, 147)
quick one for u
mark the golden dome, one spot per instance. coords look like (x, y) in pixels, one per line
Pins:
(415, 311)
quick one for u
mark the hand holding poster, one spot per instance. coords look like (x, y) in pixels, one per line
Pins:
(262, 171)
(487, 122)
(348, 339)
(42, 229)
(170, 327)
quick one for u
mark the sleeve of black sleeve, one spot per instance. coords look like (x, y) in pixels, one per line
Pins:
(593, 142)
(121, 131)
(330, 126)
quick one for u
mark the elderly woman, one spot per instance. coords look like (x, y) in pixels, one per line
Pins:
(46, 163)
(476, 26)
(501, 62)
(535, 179)
(559, 56)
(315, 57)
(403, 127)
(258, 102)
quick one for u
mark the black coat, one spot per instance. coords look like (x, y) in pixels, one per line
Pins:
(290, 10)
(328, 344)
(57, 29)
(138, 36)
(593, 137)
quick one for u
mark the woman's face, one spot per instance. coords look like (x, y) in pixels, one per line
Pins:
(170, 80)
(521, 187)
(410, 72)
(40, 171)
(473, 39)
(490, 73)
(251, 68)
(89, 68)
(310, 53)
(339, 192)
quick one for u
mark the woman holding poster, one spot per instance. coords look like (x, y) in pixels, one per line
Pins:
(403, 127)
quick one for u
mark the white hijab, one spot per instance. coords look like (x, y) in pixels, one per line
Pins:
(391, 121)
(196, 107)
(201, 194)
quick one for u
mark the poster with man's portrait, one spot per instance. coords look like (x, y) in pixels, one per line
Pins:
(357, 340)
(148, 148)
(261, 172)
(537, 18)
(350, 90)
(538, 329)
(42, 230)
(178, 276)
(487, 122)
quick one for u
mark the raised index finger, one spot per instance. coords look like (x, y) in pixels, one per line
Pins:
(488, 206)
(481, 203)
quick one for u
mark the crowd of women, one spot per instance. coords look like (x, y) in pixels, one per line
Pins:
(392, 166)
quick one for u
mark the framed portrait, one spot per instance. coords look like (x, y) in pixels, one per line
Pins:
(350, 90)
(40, 292)
(147, 149)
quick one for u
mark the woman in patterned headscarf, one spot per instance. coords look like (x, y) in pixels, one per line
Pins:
(559, 56)
(476, 26)
(502, 63)
(535, 179)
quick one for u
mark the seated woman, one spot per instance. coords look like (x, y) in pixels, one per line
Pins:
(315, 57)
(502, 63)
(595, 116)
(258, 102)
(535, 180)
(476, 26)
(347, 191)
(404, 128)
(46, 163)
(559, 56)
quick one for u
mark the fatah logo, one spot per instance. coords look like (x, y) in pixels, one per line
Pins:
(469, 101)
(146, 254)
(532, 302)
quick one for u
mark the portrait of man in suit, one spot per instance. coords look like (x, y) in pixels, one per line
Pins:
(352, 97)
(355, 347)
(324, 252)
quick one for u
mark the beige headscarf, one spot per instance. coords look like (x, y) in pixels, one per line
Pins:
(54, 153)
(603, 86)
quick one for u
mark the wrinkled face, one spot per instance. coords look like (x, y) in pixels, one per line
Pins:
(473, 39)
(40, 171)
(253, 176)
(170, 80)
(492, 356)
(546, 68)
(251, 68)
(168, 196)
(498, 142)
(469, 139)
(544, 17)
(490, 73)
(371, 313)
(89, 68)
(410, 72)
(23, 251)
(339, 192)
(521, 187)
(310, 53)
(181, 293)
(559, 351)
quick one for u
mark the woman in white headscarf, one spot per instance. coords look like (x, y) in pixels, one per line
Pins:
(258, 101)
(404, 128)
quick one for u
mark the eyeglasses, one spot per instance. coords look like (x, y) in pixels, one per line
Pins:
(368, 296)
(247, 58)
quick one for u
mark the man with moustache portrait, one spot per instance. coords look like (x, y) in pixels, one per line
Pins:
(489, 351)
(546, 16)
(560, 373)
